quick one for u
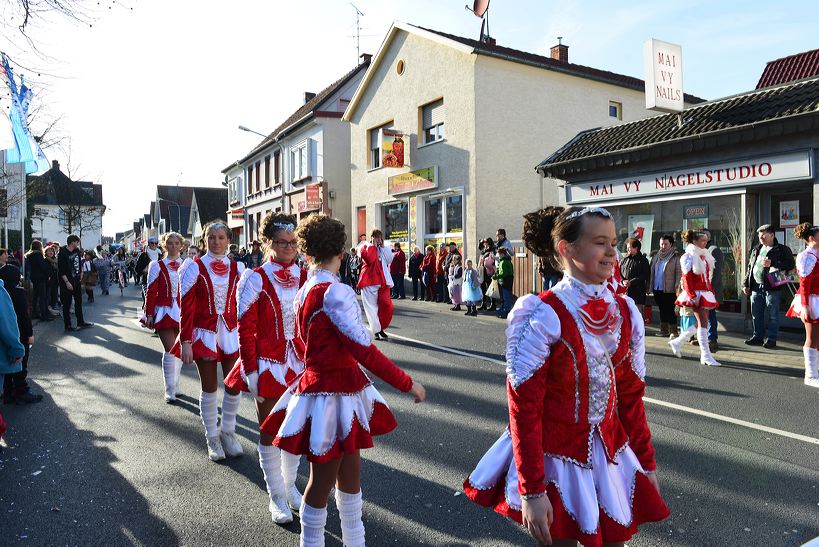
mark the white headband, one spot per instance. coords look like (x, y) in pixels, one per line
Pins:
(286, 226)
(588, 210)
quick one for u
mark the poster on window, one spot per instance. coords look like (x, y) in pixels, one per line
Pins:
(788, 214)
(394, 153)
(641, 227)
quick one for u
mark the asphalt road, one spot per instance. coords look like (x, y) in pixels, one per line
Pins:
(104, 461)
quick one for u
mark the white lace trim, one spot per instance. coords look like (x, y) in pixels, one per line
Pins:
(805, 262)
(637, 344)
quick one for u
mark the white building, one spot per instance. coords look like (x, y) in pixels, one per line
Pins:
(235, 215)
(303, 166)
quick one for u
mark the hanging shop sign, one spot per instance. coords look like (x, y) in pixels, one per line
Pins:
(662, 63)
(312, 195)
(422, 179)
(730, 174)
(393, 151)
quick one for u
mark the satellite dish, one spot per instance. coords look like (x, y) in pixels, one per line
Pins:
(479, 7)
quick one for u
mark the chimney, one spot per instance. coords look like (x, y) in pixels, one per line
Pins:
(560, 52)
(308, 96)
(365, 58)
(55, 165)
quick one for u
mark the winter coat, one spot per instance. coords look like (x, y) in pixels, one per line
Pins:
(636, 270)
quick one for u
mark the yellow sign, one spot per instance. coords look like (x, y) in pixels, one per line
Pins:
(422, 179)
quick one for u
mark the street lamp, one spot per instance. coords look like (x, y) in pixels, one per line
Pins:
(178, 213)
(243, 128)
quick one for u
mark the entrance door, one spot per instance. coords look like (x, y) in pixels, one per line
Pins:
(361, 224)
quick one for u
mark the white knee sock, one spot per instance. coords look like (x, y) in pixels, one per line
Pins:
(230, 407)
(290, 467)
(684, 335)
(349, 511)
(312, 525)
(269, 461)
(168, 373)
(811, 363)
(209, 411)
(177, 369)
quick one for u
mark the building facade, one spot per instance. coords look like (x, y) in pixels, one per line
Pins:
(468, 118)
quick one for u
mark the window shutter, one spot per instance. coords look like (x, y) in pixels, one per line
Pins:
(433, 114)
(308, 151)
(375, 138)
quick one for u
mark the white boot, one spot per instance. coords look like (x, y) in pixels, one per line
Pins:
(811, 367)
(269, 461)
(168, 374)
(706, 358)
(230, 407)
(290, 471)
(312, 525)
(349, 511)
(209, 411)
(676, 343)
(177, 369)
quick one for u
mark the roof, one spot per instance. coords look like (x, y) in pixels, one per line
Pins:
(305, 111)
(211, 203)
(790, 69)
(55, 188)
(704, 125)
(469, 45)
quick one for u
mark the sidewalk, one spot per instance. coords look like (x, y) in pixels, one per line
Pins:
(732, 348)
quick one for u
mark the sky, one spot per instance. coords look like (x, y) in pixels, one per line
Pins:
(152, 92)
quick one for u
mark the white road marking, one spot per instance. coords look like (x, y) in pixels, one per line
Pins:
(681, 408)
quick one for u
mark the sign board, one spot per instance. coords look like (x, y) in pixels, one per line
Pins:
(393, 151)
(729, 174)
(313, 199)
(789, 214)
(695, 211)
(4, 203)
(422, 179)
(662, 63)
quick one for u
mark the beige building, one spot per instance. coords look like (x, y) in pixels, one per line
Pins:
(473, 118)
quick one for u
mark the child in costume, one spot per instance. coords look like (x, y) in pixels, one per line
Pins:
(271, 355)
(456, 279)
(333, 410)
(376, 283)
(471, 289)
(209, 334)
(805, 305)
(697, 265)
(576, 463)
(162, 308)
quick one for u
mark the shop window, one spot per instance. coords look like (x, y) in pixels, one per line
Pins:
(432, 121)
(374, 150)
(615, 110)
(433, 216)
(454, 214)
(396, 221)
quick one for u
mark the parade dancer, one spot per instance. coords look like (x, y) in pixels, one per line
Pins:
(375, 283)
(162, 308)
(209, 334)
(806, 304)
(333, 410)
(270, 353)
(697, 265)
(576, 463)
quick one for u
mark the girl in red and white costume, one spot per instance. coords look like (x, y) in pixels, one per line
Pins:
(162, 308)
(209, 334)
(806, 304)
(697, 265)
(333, 410)
(576, 463)
(271, 356)
(375, 283)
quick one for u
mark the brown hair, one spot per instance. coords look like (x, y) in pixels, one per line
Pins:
(213, 225)
(36, 245)
(634, 242)
(805, 230)
(321, 237)
(690, 236)
(545, 228)
(171, 235)
(268, 228)
(376, 233)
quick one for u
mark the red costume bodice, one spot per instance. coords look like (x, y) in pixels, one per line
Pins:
(198, 307)
(161, 290)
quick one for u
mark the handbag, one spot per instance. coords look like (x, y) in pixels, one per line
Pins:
(777, 278)
(493, 291)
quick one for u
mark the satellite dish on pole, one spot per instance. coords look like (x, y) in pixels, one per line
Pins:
(481, 9)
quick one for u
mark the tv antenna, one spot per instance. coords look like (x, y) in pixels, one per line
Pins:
(358, 15)
(481, 9)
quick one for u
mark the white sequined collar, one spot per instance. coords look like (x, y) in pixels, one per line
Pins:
(587, 290)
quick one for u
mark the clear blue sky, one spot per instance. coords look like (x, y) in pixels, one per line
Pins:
(156, 91)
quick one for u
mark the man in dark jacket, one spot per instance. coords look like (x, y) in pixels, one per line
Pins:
(398, 269)
(40, 274)
(69, 262)
(15, 387)
(415, 272)
(767, 257)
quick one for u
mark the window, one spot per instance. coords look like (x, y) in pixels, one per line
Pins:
(267, 172)
(258, 176)
(396, 221)
(374, 135)
(232, 192)
(300, 161)
(444, 215)
(250, 180)
(454, 214)
(433, 216)
(616, 110)
(277, 168)
(432, 121)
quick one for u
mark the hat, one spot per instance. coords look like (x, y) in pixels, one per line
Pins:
(152, 239)
(765, 228)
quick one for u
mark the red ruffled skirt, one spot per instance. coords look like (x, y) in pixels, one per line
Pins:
(273, 377)
(602, 504)
(220, 346)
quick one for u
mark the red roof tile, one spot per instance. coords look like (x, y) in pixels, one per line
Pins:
(789, 69)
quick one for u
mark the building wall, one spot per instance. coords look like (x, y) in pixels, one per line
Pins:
(522, 115)
(432, 71)
(51, 229)
(336, 160)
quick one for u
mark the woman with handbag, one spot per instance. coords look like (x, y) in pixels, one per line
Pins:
(89, 275)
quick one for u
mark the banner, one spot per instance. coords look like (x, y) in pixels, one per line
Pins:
(6, 134)
(641, 227)
(25, 150)
(393, 151)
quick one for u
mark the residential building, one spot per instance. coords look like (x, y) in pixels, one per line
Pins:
(207, 204)
(469, 118)
(171, 209)
(236, 217)
(303, 166)
(62, 206)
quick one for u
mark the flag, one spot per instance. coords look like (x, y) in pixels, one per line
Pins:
(6, 134)
(26, 150)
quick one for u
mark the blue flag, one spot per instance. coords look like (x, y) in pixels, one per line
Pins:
(26, 149)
